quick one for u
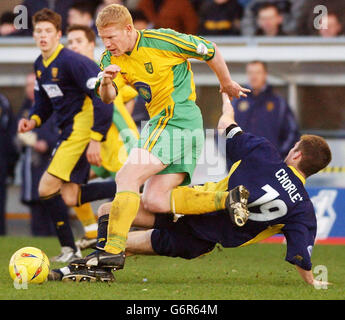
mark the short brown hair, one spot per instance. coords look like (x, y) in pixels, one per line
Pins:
(114, 14)
(89, 33)
(49, 16)
(316, 154)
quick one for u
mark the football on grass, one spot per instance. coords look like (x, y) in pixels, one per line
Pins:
(29, 265)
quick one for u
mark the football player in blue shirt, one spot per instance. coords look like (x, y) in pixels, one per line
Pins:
(278, 203)
(65, 83)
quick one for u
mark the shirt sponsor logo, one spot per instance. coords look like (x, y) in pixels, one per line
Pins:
(52, 90)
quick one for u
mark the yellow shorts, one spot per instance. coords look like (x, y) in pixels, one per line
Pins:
(69, 162)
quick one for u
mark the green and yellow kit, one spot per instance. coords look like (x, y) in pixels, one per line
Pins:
(158, 68)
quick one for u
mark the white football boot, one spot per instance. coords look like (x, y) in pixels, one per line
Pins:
(67, 255)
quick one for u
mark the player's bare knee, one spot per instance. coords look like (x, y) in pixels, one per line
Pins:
(45, 191)
(69, 193)
(153, 202)
(69, 199)
(139, 242)
(104, 209)
(124, 178)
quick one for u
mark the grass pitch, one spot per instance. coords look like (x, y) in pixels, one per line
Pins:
(254, 272)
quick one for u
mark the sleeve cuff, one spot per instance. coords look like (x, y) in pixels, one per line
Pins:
(37, 119)
(98, 84)
(210, 55)
(96, 136)
(232, 130)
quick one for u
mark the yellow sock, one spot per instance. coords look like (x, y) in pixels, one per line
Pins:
(186, 200)
(124, 209)
(88, 219)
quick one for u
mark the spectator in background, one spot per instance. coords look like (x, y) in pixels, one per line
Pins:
(105, 3)
(309, 23)
(197, 4)
(243, 3)
(59, 6)
(36, 148)
(140, 21)
(265, 113)
(178, 15)
(8, 154)
(220, 17)
(289, 9)
(7, 27)
(331, 26)
(269, 21)
(82, 13)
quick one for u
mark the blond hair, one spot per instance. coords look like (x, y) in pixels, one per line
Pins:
(116, 14)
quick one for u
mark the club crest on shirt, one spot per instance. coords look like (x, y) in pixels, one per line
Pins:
(243, 106)
(269, 106)
(38, 74)
(55, 72)
(148, 67)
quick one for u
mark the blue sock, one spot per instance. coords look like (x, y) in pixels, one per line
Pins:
(102, 231)
(58, 211)
(96, 191)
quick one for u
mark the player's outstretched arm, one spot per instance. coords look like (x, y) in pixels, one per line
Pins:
(227, 85)
(107, 91)
(228, 116)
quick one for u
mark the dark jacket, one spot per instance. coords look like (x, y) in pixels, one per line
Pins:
(8, 152)
(218, 19)
(268, 115)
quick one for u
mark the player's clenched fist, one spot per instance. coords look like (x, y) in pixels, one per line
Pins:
(107, 90)
(109, 73)
(26, 125)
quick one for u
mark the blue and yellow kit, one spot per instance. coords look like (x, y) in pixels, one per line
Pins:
(159, 69)
(65, 85)
(278, 203)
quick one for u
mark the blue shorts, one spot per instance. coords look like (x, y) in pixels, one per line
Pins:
(176, 239)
